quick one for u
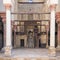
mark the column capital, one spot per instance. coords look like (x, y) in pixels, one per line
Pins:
(7, 6)
(15, 27)
(53, 7)
(47, 27)
(4, 21)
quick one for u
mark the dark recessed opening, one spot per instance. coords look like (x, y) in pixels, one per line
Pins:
(22, 42)
(39, 43)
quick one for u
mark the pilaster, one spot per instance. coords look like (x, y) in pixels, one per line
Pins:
(58, 36)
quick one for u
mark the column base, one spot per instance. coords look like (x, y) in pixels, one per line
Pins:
(58, 48)
(52, 51)
(47, 46)
(8, 50)
(3, 49)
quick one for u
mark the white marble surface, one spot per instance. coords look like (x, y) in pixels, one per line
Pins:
(25, 52)
(30, 52)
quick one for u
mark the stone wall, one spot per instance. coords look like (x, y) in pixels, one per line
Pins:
(18, 41)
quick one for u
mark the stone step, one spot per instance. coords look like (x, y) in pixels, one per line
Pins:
(28, 58)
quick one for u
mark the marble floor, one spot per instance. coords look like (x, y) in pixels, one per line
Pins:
(30, 54)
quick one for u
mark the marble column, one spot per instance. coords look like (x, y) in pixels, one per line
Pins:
(52, 50)
(47, 29)
(58, 37)
(15, 36)
(4, 34)
(8, 30)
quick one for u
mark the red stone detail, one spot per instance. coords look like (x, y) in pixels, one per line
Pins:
(3, 15)
(58, 16)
